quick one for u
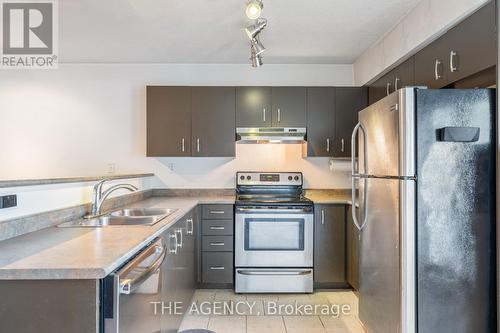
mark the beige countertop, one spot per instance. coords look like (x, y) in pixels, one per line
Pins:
(93, 253)
(88, 253)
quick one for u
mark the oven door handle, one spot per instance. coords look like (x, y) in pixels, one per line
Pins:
(267, 211)
(274, 272)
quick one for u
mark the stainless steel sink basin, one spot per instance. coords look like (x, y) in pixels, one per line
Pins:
(125, 217)
(140, 212)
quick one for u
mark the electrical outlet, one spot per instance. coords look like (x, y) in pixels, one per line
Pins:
(8, 201)
(111, 168)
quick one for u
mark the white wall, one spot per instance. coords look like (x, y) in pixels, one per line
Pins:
(76, 120)
(425, 23)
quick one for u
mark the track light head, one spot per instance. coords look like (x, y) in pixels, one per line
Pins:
(254, 9)
(256, 60)
(254, 29)
(257, 47)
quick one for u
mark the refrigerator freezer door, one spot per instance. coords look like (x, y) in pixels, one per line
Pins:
(456, 213)
(380, 266)
(389, 129)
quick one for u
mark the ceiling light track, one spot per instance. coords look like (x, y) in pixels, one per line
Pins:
(253, 12)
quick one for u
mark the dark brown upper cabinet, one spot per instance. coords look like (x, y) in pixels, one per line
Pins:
(320, 121)
(348, 102)
(213, 121)
(400, 77)
(288, 106)
(253, 107)
(466, 49)
(472, 44)
(168, 121)
(404, 75)
(430, 65)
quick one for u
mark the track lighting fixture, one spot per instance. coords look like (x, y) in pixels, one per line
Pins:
(255, 29)
(254, 9)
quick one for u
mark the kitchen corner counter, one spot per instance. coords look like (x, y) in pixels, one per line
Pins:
(89, 253)
(324, 197)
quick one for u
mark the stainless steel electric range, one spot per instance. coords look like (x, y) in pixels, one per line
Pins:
(273, 234)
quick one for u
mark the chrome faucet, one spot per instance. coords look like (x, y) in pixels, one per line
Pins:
(98, 196)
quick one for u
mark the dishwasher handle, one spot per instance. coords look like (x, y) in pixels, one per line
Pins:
(128, 285)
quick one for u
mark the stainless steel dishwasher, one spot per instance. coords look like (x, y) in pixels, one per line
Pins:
(128, 293)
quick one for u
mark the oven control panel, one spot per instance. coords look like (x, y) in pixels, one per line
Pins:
(269, 178)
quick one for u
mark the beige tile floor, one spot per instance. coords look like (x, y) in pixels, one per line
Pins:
(257, 313)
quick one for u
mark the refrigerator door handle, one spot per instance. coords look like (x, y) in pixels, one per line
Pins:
(355, 174)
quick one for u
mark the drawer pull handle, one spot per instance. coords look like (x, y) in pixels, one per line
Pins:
(217, 244)
(216, 228)
(217, 268)
(217, 212)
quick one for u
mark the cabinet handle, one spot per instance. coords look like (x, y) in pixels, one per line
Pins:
(342, 145)
(436, 70)
(396, 85)
(198, 145)
(217, 212)
(328, 145)
(181, 243)
(189, 226)
(183, 145)
(388, 88)
(217, 228)
(176, 243)
(323, 216)
(217, 244)
(279, 115)
(453, 67)
(217, 268)
(264, 114)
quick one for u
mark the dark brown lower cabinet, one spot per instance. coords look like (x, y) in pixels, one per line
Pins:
(352, 251)
(216, 246)
(329, 246)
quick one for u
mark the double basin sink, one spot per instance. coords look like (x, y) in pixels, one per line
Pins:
(124, 217)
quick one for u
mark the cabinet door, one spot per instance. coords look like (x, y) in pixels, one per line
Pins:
(213, 121)
(253, 107)
(289, 106)
(377, 90)
(472, 44)
(430, 65)
(168, 113)
(329, 244)
(320, 121)
(348, 102)
(404, 74)
(352, 248)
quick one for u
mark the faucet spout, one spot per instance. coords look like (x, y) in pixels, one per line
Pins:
(99, 196)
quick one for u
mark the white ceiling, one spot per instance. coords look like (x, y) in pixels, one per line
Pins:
(211, 31)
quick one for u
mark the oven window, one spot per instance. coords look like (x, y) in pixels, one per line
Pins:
(277, 234)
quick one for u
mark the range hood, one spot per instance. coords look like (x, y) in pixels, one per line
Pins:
(270, 135)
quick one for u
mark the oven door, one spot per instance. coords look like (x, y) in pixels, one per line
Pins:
(278, 237)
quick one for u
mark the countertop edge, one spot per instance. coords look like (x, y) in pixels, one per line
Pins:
(52, 181)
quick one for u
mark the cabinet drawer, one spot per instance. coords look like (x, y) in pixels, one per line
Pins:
(218, 267)
(217, 243)
(217, 227)
(217, 211)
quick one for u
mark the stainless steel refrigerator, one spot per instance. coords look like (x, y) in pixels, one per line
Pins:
(424, 185)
